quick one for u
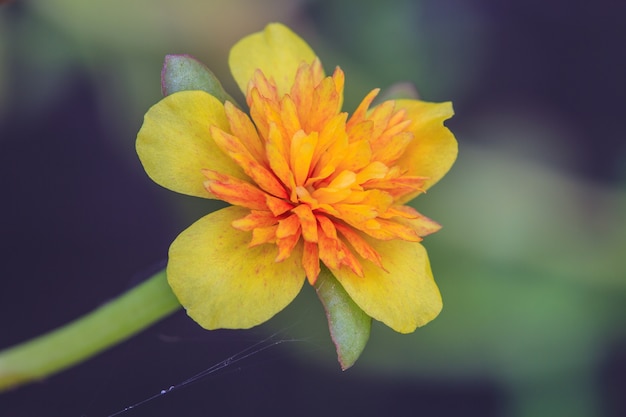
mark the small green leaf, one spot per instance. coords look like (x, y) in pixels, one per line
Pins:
(349, 325)
(183, 72)
(398, 91)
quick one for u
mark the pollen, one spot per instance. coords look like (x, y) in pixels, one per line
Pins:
(317, 176)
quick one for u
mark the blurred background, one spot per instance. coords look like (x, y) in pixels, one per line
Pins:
(530, 260)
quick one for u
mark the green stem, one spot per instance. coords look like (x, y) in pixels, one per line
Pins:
(75, 342)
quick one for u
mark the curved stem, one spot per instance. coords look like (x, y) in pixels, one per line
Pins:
(75, 342)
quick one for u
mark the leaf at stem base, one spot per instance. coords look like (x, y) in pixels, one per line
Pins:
(349, 326)
(184, 72)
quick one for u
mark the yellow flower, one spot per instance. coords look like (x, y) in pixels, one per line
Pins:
(308, 184)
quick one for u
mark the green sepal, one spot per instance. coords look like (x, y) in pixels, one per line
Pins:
(398, 91)
(349, 325)
(184, 72)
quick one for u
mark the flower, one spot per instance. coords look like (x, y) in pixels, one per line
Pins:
(308, 185)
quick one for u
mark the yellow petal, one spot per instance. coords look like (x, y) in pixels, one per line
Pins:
(223, 283)
(434, 148)
(175, 144)
(276, 51)
(404, 296)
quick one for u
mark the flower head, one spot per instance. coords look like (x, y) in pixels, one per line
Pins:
(308, 184)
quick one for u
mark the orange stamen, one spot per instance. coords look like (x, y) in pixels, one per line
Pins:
(318, 178)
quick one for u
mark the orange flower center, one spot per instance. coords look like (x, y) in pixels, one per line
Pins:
(316, 176)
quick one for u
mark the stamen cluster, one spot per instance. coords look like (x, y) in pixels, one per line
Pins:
(317, 176)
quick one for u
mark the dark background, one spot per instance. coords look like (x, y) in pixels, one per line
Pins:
(538, 89)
